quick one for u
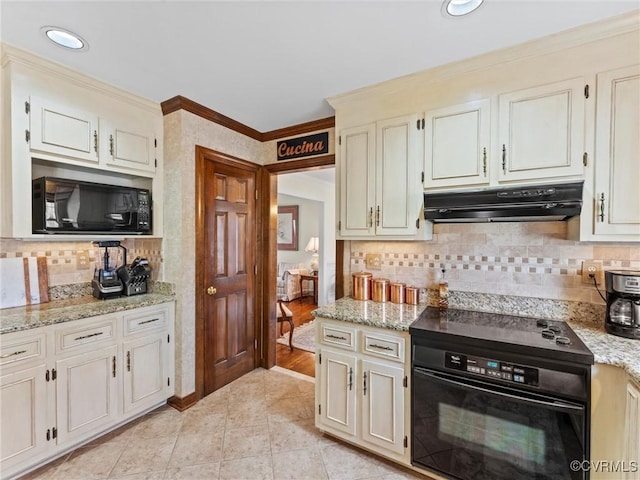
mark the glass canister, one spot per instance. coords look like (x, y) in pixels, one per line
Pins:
(397, 292)
(380, 289)
(361, 286)
(412, 295)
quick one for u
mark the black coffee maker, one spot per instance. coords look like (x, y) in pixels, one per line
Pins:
(623, 303)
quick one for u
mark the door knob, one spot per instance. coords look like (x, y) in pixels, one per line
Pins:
(211, 291)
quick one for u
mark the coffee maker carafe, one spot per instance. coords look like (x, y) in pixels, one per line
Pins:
(109, 256)
(623, 303)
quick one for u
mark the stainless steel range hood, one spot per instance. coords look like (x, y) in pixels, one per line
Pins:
(558, 201)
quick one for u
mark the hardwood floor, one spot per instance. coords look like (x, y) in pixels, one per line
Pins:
(297, 360)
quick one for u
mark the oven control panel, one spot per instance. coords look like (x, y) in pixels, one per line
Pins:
(486, 367)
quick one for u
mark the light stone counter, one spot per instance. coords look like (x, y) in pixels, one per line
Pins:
(59, 311)
(606, 348)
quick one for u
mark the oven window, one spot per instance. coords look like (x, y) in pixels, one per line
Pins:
(473, 434)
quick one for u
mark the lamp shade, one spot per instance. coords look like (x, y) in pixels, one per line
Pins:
(312, 245)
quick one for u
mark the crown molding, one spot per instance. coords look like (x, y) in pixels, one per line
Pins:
(48, 69)
(311, 163)
(581, 35)
(182, 103)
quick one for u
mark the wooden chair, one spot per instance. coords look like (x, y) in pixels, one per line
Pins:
(284, 315)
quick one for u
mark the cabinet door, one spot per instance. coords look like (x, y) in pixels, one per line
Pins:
(338, 392)
(145, 371)
(397, 176)
(617, 158)
(23, 403)
(86, 393)
(383, 406)
(541, 131)
(456, 145)
(61, 129)
(128, 144)
(357, 180)
(632, 434)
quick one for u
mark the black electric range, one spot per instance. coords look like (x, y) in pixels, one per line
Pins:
(499, 396)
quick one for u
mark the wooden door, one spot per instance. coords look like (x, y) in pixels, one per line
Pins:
(227, 246)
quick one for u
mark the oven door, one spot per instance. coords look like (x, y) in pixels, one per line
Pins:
(476, 430)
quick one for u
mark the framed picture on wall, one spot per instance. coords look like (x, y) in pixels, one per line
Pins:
(288, 227)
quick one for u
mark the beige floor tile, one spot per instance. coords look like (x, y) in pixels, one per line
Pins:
(250, 468)
(90, 462)
(293, 435)
(345, 463)
(141, 476)
(290, 409)
(248, 392)
(47, 471)
(219, 398)
(246, 442)
(119, 435)
(145, 455)
(166, 423)
(197, 448)
(299, 465)
(205, 471)
(247, 413)
(204, 420)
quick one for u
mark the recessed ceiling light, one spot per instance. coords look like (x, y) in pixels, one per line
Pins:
(65, 38)
(457, 8)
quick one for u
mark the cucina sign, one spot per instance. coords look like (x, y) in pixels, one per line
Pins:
(308, 146)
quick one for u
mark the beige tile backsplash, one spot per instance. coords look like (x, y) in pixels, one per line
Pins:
(61, 257)
(521, 259)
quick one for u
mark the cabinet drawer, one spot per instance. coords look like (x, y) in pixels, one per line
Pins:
(84, 334)
(142, 322)
(338, 336)
(384, 346)
(20, 350)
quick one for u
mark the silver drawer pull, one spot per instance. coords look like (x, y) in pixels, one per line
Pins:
(336, 337)
(6, 355)
(148, 321)
(89, 336)
(381, 347)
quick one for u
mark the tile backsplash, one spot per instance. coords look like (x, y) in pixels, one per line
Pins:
(61, 257)
(521, 259)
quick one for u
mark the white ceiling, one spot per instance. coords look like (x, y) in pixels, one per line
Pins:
(271, 64)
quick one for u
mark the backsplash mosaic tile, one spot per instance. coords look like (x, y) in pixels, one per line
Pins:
(62, 263)
(514, 259)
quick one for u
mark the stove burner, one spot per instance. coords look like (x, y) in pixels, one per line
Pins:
(542, 323)
(563, 341)
(555, 329)
(548, 334)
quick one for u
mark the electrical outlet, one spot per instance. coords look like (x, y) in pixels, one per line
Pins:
(373, 261)
(592, 267)
(82, 260)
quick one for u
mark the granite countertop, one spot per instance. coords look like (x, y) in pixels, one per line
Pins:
(606, 348)
(58, 311)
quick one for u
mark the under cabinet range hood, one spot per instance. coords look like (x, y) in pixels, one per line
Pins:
(505, 204)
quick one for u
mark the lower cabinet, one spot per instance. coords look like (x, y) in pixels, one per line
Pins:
(64, 384)
(632, 431)
(362, 387)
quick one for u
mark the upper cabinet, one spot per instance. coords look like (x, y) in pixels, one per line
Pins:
(541, 131)
(379, 172)
(60, 123)
(457, 141)
(617, 154)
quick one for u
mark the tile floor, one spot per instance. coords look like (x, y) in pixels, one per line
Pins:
(259, 427)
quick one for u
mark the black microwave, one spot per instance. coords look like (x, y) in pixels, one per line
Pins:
(72, 206)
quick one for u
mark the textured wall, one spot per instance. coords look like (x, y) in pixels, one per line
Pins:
(522, 259)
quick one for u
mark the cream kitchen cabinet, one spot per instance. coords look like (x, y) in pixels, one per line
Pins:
(541, 131)
(64, 384)
(617, 154)
(632, 431)
(129, 144)
(23, 398)
(379, 172)
(362, 387)
(457, 143)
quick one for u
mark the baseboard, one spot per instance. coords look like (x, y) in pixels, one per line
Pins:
(182, 403)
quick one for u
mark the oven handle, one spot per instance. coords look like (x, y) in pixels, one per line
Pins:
(556, 405)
